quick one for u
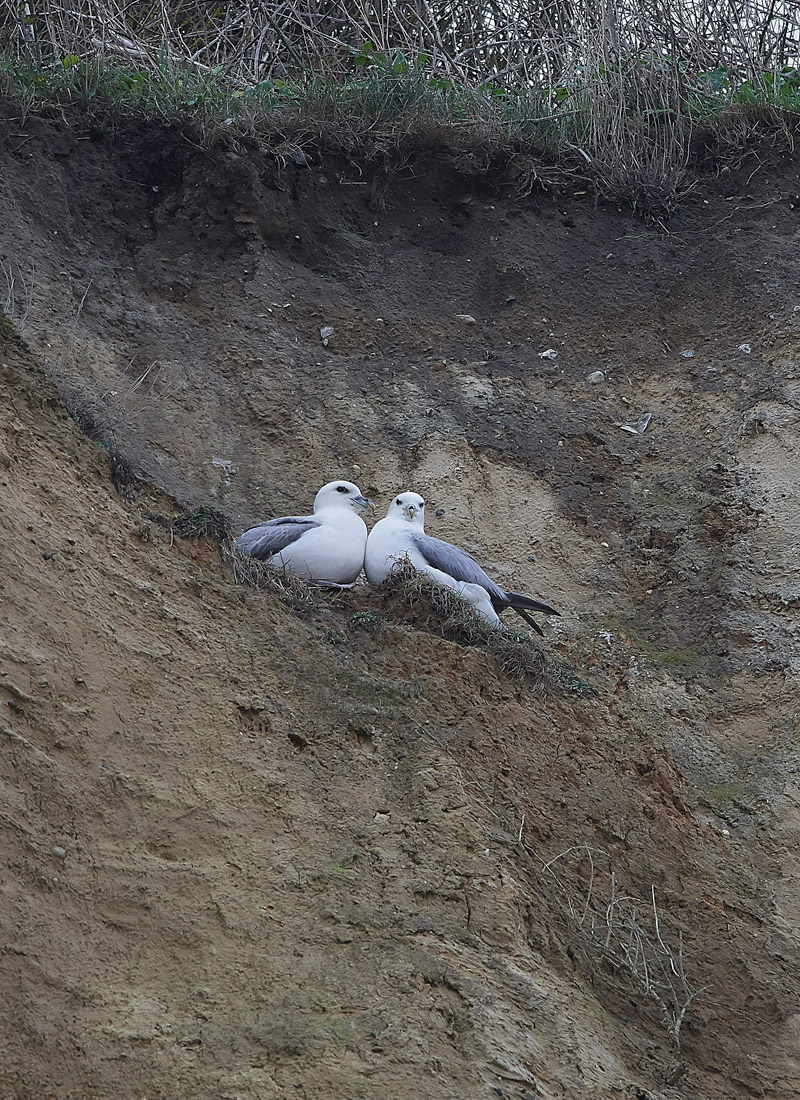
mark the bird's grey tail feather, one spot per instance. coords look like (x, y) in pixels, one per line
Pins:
(529, 620)
(517, 600)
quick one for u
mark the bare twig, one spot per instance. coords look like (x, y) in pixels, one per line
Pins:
(622, 940)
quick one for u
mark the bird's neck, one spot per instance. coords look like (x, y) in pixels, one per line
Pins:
(405, 524)
(341, 516)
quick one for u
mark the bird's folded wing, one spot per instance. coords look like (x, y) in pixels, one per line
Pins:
(266, 539)
(457, 563)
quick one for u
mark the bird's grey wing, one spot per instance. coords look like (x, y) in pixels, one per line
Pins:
(266, 539)
(457, 563)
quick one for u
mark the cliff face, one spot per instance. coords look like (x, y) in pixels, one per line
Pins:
(254, 849)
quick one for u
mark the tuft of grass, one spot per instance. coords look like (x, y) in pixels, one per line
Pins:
(674, 658)
(292, 591)
(205, 521)
(718, 794)
(444, 611)
(366, 620)
(667, 658)
(567, 678)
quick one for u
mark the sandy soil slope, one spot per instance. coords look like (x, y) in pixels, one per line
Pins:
(254, 850)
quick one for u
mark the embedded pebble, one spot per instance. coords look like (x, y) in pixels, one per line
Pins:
(596, 376)
(59, 853)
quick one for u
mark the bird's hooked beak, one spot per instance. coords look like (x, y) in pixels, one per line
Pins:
(411, 510)
(361, 504)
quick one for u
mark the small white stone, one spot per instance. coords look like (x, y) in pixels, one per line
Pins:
(596, 376)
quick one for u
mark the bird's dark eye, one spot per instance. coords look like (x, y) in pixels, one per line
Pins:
(422, 504)
(398, 501)
(341, 488)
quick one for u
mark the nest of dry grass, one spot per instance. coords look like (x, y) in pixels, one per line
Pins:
(249, 571)
(444, 611)
(431, 606)
(204, 522)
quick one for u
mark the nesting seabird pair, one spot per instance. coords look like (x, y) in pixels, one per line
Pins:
(331, 547)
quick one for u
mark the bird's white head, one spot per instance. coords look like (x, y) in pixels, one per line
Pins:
(340, 494)
(408, 506)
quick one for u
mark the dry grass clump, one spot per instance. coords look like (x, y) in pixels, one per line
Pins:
(203, 522)
(436, 607)
(292, 591)
(444, 611)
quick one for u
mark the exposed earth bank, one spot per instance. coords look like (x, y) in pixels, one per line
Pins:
(263, 846)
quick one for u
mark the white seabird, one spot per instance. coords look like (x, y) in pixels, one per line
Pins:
(326, 547)
(401, 537)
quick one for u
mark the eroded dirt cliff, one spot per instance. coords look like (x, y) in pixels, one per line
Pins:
(261, 850)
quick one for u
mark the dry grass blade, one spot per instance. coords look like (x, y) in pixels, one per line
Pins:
(17, 294)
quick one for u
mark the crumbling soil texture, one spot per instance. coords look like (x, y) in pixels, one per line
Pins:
(264, 848)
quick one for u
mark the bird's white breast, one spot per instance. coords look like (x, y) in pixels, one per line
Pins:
(389, 540)
(392, 540)
(332, 552)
